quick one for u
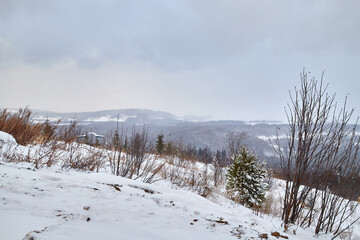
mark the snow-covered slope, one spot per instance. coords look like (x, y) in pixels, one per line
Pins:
(53, 204)
(50, 203)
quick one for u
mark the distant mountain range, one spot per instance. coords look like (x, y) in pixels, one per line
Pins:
(133, 115)
(196, 131)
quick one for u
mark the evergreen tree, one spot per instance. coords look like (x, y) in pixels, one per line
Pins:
(160, 144)
(170, 149)
(246, 179)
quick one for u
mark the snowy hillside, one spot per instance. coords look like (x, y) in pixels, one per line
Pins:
(51, 203)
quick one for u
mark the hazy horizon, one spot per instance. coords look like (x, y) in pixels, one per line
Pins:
(197, 117)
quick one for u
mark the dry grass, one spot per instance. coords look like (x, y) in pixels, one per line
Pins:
(184, 173)
(20, 125)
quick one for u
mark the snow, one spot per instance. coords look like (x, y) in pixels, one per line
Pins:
(108, 118)
(51, 203)
(253, 123)
(41, 119)
(101, 119)
(277, 194)
(274, 137)
(8, 145)
(5, 137)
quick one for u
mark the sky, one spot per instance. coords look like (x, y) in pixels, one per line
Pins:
(229, 59)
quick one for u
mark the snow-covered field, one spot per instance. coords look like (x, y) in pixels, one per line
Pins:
(50, 203)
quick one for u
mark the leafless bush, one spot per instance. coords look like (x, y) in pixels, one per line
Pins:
(85, 158)
(320, 143)
(235, 141)
(139, 145)
(41, 154)
(271, 205)
(129, 152)
(200, 181)
(174, 170)
(11, 152)
(218, 172)
(69, 133)
(269, 179)
(151, 170)
(46, 153)
(129, 155)
(72, 153)
(117, 143)
(184, 173)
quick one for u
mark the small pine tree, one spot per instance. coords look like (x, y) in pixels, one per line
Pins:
(169, 149)
(160, 144)
(246, 179)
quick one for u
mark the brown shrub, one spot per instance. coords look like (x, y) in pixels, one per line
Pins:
(20, 125)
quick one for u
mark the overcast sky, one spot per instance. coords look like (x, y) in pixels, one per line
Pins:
(228, 59)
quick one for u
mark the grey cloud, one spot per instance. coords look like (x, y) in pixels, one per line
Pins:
(195, 56)
(177, 34)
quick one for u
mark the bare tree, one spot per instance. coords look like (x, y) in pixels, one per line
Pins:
(117, 143)
(235, 141)
(139, 145)
(218, 171)
(69, 133)
(320, 142)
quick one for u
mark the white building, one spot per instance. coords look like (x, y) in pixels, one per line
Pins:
(91, 138)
